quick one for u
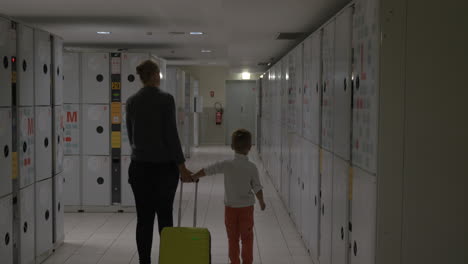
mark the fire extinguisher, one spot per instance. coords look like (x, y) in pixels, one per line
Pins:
(219, 113)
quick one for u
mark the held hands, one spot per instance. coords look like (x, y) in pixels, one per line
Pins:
(185, 174)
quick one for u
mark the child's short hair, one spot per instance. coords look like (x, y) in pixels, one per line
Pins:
(241, 140)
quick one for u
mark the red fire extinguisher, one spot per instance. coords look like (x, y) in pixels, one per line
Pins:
(219, 113)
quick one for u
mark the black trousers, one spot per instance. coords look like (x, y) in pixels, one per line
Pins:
(154, 186)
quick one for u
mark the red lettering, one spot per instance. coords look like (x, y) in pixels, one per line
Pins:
(30, 126)
(72, 117)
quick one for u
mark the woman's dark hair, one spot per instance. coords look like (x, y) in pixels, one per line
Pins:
(147, 70)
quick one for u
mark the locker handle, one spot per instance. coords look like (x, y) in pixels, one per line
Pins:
(46, 216)
(99, 129)
(316, 88)
(5, 62)
(46, 142)
(25, 65)
(342, 233)
(25, 227)
(58, 139)
(350, 227)
(324, 87)
(6, 151)
(323, 209)
(131, 78)
(7, 239)
(315, 200)
(345, 84)
(58, 71)
(100, 180)
(45, 69)
(358, 83)
(25, 147)
(302, 186)
(99, 78)
(59, 206)
(355, 248)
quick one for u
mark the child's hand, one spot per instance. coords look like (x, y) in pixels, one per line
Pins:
(262, 205)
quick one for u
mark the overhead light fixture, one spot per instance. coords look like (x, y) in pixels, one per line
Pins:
(261, 76)
(205, 50)
(196, 33)
(104, 32)
(246, 76)
(161, 75)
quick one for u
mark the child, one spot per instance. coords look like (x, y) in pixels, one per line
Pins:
(240, 179)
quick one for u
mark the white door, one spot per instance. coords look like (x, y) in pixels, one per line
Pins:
(7, 46)
(44, 143)
(5, 153)
(59, 231)
(27, 225)
(58, 71)
(326, 209)
(26, 146)
(44, 205)
(96, 180)
(306, 205)
(71, 180)
(328, 86)
(59, 138)
(127, 193)
(6, 229)
(130, 79)
(292, 90)
(95, 78)
(25, 65)
(42, 63)
(71, 78)
(96, 130)
(299, 54)
(314, 201)
(72, 123)
(315, 87)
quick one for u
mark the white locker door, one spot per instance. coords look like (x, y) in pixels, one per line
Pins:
(299, 87)
(42, 63)
(284, 164)
(328, 86)
(44, 216)
(59, 138)
(71, 78)
(96, 180)
(71, 180)
(6, 52)
(5, 154)
(43, 143)
(96, 130)
(26, 146)
(27, 224)
(59, 231)
(291, 77)
(25, 66)
(95, 78)
(326, 209)
(6, 229)
(314, 201)
(316, 80)
(126, 149)
(58, 71)
(342, 106)
(364, 207)
(306, 205)
(127, 193)
(72, 123)
(308, 92)
(340, 211)
(130, 80)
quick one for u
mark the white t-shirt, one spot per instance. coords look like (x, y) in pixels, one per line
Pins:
(241, 180)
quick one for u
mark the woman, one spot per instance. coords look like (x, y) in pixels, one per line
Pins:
(157, 157)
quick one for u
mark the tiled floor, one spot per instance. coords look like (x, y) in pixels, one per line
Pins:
(107, 238)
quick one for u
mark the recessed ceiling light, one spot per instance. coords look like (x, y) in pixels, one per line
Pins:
(246, 76)
(196, 33)
(104, 32)
(205, 50)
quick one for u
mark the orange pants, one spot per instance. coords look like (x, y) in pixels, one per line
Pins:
(239, 226)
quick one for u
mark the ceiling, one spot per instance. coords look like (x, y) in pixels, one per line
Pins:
(240, 33)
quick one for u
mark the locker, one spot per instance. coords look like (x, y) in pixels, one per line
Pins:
(326, 209)
(59, 138)
(291, 78)
(314, 200)
(307, 205)
(328, 86)
(26, 146)
(284, 93)
(72, 126)
(299, 53)
(44, 216)
(96, 129)
(71, 180)
(96, 180)
(95, 78)
(5, 155)
(6, 229)
(42, 63)
(43, 143)
(295, 182)
(6, 52)
(25, 51)
(127, 193)
(340, 210)
(131, 82)
(59, 231)
(285, 164)
(342, 96)
(125, 147)
(27, 225)
(58, 71)
(363, 208)
(71, 78)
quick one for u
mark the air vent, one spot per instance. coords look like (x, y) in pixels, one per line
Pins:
(290, 36)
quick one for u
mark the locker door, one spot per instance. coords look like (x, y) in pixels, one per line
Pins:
(59, 138)
(126, 149)
(307, 126)
(314, 201)
(96, 129)
(306, 205)
(26, 147)
(130, 80)
(127, 193)
(71, 180)
(95, 78)
(299, 87)
(6, 53)
(6, 229)
(25, 51)
(364, 206)
(291, 77)
(72, 122)
(340, 211)
(27, 225)
(316, 80)
(342, 96)
(284, 164)
(44, 213)
(5, 154)
(59, 230)
(326, 209)
(58, 71)
(328, 86)
(43, 143)
(71, 78)
(42, 63)
(96, 181)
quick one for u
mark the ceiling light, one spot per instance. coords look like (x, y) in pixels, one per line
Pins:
(104, 32)
(161, 76)
(261, 76)
(205, 51)
(196, 33)
(246, 76)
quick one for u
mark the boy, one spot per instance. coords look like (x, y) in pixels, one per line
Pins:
(240, 179)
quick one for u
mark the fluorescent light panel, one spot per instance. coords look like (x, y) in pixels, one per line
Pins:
(196, 33)
(104, 32)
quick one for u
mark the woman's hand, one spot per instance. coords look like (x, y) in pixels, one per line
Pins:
(185, 174)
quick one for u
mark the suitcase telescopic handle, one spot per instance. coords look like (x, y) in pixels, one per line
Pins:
(179, 220)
